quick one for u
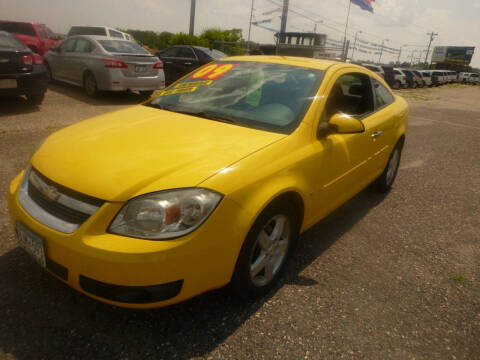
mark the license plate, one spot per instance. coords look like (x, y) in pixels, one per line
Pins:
(8, 84)
(32, 244)
(140, 68)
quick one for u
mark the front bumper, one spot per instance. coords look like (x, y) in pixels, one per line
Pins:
(139, 273)
(115, 80)
(34, 82)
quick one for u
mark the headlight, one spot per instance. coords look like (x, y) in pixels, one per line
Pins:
(166, 214)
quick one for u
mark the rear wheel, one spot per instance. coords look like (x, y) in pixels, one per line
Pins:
(266, 249)
(397, 85)
(90, 85)
(35, 99)
(146, 93)
(385, 181)
(49, 72)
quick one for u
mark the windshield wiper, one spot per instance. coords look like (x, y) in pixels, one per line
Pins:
(203, 114)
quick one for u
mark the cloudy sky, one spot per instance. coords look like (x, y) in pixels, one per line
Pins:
(400, 22)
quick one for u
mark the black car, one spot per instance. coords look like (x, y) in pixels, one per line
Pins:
(411, 81)
(181, 59)
(21, 71)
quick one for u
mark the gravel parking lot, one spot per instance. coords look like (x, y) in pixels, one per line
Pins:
(384, 277)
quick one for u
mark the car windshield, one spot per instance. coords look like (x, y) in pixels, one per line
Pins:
(266, 96)
(122, 47)
(10, 42)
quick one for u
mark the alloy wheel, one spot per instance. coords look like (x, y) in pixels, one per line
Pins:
(270, 250)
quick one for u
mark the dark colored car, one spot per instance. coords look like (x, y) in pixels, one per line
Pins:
(411, 79)
(182, 59)
(37, 37)
(21, 71)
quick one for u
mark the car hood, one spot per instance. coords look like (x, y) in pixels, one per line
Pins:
(142, 149)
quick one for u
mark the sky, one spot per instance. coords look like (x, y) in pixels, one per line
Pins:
(396, 22)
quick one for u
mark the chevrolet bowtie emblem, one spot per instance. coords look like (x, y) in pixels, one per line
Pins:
(50, 192)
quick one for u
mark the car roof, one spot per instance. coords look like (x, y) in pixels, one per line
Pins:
(97, 37)
(319, 64)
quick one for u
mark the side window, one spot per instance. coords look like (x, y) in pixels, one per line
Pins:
(185, 53)
(351, 94)
(42, 32)
(382, 95)
(68, 45)
(115, 34)
(83, 46)
(172, 52)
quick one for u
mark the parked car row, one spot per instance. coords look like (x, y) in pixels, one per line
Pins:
(99, 58)
(399, 78)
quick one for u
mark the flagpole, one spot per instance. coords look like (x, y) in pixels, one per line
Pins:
(345, 35)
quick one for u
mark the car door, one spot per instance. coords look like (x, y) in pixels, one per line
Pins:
(346, 163)
(68, 57)
(80, 59)
(170, 61)
(58, 59)
(187, 60)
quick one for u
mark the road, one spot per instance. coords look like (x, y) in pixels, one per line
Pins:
(384, 277)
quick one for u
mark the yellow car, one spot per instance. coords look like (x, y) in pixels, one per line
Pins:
(209, 183)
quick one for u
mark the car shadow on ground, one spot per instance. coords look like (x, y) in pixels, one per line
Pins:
(104, 98)
(15, 105)
(43, 318)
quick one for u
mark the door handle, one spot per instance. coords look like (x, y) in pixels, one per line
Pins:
(377, 134)
(168, 62)
(187, 63)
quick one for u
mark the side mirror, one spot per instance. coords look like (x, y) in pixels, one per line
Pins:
(345, 124)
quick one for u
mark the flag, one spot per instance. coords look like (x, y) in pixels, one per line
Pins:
(364, 4)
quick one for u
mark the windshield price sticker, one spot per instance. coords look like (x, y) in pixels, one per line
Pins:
(178, 91)
(213, 72)
(193, 83)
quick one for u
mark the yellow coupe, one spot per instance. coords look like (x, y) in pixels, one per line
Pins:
(208, 184)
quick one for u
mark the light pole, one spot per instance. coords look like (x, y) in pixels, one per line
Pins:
(381, 50)
(250, 27)
(192, 17)
(355, 42)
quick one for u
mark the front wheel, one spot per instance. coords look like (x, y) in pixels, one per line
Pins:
(385, 181)
(266, 249)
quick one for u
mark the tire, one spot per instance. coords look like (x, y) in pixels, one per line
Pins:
(49, 72)
(146, 93)
(266, 250)
(384, 183)
(90, 85)
(35, 99)
(397, 85)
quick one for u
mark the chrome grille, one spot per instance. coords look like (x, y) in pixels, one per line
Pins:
(54, 205)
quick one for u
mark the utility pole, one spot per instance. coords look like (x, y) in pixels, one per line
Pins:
(283, 24)
(345, 35)
(432, 37)
(381, 51)
(192, 16)
(355, 42)
(250, 27)
(400, 53)
(411, 59)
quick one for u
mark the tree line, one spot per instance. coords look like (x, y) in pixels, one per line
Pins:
(228, 41)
